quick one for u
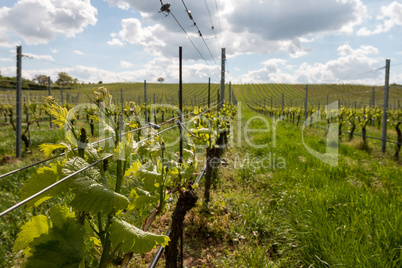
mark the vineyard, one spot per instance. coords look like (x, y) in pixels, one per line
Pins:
(352, 108)
(125, 177)
(193, 94)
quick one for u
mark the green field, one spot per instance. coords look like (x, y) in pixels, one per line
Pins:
(156, 93)
(349, 95)
(273, 203)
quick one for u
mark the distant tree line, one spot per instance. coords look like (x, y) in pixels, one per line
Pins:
(40, 82)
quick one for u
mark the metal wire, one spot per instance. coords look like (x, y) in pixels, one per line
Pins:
(68, 177)
(59, 155)
(199, 31)
(150, 138)
(188, 37)
(31, 165)
(50, 187)
(158, 253)
(197, 181)
(357, 134)
(75, 173)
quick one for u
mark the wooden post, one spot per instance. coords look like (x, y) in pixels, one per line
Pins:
(121, 99)
(223, 57)
(373, 97)
(271, 106)
(209, 92)
(181, 102)
(373, 105)
(19, 102)
(385, 108)
(145, 100)
(62, 97)
(50, 94)
(305, 103)
(230, 92)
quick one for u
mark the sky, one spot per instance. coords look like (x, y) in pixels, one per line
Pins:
(266, 41)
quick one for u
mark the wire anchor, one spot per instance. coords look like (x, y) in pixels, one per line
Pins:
(165, 8)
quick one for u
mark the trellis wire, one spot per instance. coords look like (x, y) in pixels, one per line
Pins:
(75, 173)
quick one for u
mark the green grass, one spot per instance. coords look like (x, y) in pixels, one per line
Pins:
(309, 213)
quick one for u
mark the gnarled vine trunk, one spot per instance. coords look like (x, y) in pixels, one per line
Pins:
(187, 201)
(399, 145)
(352, 130)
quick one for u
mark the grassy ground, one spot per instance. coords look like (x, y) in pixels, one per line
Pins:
(302, 212)
(275, 205)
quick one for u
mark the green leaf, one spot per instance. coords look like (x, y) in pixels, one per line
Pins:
(93, 154)
(62, 246)
(129, 238)
(90, 195)
(132, 171)
(150, 177)
(39, 225)
(59, 115)
(140, 197)
(59, 215)
(47, 149)
(187, 171)
(150, 148)
(125, 148)
(43, 178)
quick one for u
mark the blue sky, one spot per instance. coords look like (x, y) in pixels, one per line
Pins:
(266, 41)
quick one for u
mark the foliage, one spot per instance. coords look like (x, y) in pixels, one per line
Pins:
(42, 79)
(55, 242)
(64, 79)
(95, 205)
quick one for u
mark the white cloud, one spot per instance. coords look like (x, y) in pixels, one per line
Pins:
(353, 66)
(159, 67)
(125, 64)
(347, 50)
(39, 57)
(78, 52)
(6, 60)
(115, 42)
(54, 50)
(390, 15)
(120, 3)
(287, 19)
(254, 26)
(40, 21)
(4, 40)
(273, 72)
(133, 33)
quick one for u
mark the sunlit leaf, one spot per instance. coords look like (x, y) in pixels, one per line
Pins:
(62, 246)
(47, 149)
(37, 226)
(90, 195)
(129, 238)
(44, 177)
(139, 198)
